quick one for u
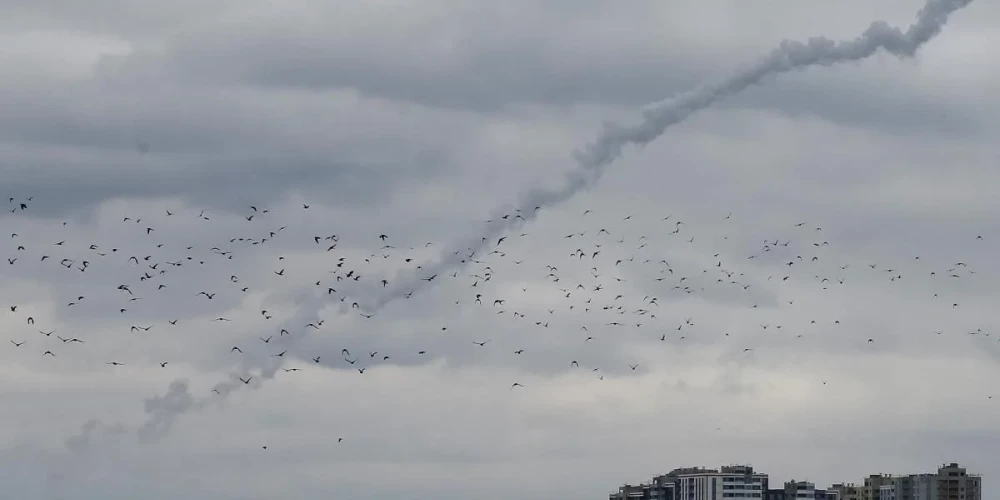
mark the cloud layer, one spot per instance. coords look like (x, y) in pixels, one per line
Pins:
(417, 124)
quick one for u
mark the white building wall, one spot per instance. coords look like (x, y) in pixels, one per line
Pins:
(720, 486)
(887, 492)
(925, 487)
(808, 492)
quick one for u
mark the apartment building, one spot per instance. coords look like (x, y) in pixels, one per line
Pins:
(950, 482)
(953, 482)
(872, 487)
(887, 492)
(803, 489)
(661, 488)
(733, 481)
(699, 483)
(800, 490)
(631, 492)
(845, 491)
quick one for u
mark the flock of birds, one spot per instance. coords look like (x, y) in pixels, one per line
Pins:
(586, 291)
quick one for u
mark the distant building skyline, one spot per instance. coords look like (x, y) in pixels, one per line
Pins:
(699, 483)
(950, 482)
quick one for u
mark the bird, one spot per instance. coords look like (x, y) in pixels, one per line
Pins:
(602, 269)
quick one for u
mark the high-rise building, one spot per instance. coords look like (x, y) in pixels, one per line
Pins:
(800, 489)
(951, 482)
(733, 481)
(955, 483)
(887, 492)
(631, 492)
(872, 489)
(699, 483)
(925, 486)
(848, 491)
(661, 488)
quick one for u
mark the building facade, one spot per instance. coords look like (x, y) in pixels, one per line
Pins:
(699, 483)
(887, 492)
(631, 492)
(661, 488)
(951, 482)
(800, 489)
(845, 491)
(872, 488)
(733, 481)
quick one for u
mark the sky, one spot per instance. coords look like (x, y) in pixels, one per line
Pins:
(145, 128)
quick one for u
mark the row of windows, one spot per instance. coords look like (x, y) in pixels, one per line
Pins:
(724, 479)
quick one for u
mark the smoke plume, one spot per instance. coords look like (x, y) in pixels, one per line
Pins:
(594, 158)
(592, 162)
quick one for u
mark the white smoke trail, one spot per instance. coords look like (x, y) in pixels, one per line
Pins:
(594, 159)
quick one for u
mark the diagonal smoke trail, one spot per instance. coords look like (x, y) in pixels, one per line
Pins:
(593, 161)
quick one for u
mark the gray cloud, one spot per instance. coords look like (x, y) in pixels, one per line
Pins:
(418, 129)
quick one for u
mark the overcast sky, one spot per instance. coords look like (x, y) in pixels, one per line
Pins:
(422, 120)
